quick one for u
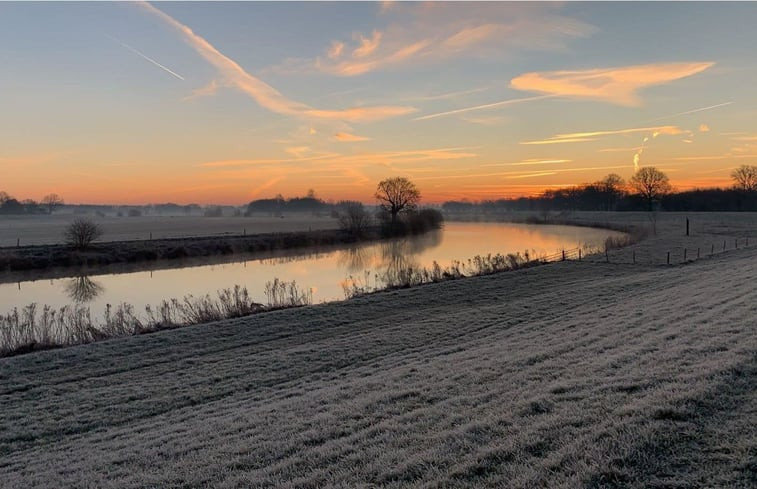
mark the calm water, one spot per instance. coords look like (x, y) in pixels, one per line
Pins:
(323, 272)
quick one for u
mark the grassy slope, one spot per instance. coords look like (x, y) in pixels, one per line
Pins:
(573, 374)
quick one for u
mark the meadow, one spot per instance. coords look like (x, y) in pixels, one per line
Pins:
(593, 373)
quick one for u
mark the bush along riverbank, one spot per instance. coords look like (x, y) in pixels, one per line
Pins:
(108, 253)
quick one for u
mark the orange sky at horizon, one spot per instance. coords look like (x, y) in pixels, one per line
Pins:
(226, 103)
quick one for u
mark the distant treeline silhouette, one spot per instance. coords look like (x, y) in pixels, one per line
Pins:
(612, 194)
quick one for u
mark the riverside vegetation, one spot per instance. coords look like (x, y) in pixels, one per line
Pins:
(35, 328)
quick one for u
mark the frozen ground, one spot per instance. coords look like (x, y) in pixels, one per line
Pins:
(575, 374)
(36, 230)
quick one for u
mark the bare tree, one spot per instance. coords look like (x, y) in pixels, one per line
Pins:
(353, 218)
(745, 178)
(52, 201)
(611, 188)
(651, 184)
(81, 233)
(396, 195)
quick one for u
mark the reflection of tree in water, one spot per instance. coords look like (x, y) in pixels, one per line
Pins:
(355, 259)
(83, 289)
(394, 254)
(398, 257)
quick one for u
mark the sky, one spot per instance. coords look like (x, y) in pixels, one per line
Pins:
(130, 103)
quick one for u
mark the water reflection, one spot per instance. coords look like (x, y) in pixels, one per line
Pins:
(388, 255)
(82, 289)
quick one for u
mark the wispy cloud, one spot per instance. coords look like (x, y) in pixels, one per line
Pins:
(579, 137)
(144, 56)
(346, 137)
(530, 162)
(615, 85)
(413, 33)
(493, 105)
(265, 95)
(692, 111)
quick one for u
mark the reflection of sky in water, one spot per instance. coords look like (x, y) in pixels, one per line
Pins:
(324, 272)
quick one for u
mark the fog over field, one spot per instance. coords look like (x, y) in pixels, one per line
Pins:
(574, 374)
(48, 229)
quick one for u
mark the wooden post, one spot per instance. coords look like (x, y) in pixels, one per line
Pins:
(736, 243)
(18, 242)
(685, 252)
(712, 251)
(668, 258)
(687, 226)
(150, 236)
(607, 256)
(634, 257)
(697, 253)
(579, 254)
(723, 245)
(244, 232)
(563, 255)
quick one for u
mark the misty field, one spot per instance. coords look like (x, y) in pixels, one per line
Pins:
(39, 230)
(573, 374)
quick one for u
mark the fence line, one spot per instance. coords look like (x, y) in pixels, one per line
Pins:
(668, 257)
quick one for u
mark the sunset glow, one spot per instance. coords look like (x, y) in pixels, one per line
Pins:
(227, 102)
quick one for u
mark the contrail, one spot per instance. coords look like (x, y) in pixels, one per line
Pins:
(692, 111)
(485, 106)
(137, 52)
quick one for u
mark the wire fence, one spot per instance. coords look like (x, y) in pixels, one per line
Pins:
(674, 255)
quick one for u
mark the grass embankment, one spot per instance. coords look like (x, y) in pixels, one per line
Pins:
(577, 374)
(100, 254)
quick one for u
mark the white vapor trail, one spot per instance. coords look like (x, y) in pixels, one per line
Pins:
(485, 106)
(139, 53)
(701, 109)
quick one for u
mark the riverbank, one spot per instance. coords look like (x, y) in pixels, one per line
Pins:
(114, 252)
(575, 374)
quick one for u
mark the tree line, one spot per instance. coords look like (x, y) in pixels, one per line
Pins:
(648, 189)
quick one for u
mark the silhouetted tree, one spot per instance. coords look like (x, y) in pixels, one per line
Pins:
(81, 233)
(395, 195)
(51, 201)
(745, 178)
(651, 184)
(353, 218)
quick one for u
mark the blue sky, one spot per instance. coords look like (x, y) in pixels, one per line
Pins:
(225, 102)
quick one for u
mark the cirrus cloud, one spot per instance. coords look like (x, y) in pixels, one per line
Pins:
(615, 85)
(265, 95)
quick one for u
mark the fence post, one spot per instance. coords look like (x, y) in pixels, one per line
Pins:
(244, 232)
(18, 242)
(685, 252)
(712, 251)
(607, 256)
(579, 254)
(697, 253)
(723, 245)
(736, 243)
(151, 236)
(687, 226)
(634, 257)
(668, 258)
(563, 255)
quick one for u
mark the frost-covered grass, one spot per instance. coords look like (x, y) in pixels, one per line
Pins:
(41, 328)
(577, 374)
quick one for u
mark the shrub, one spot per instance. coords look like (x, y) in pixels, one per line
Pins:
(354, 219)
(81, 233)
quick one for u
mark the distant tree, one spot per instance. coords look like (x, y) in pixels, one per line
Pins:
(81, 233)
(4, 197)
(397, 194)
(745, 178)
(51, 201)
(353, 218)
(612, 189)
(651, 184)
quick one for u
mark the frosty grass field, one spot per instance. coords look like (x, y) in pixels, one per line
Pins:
(573, 374)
